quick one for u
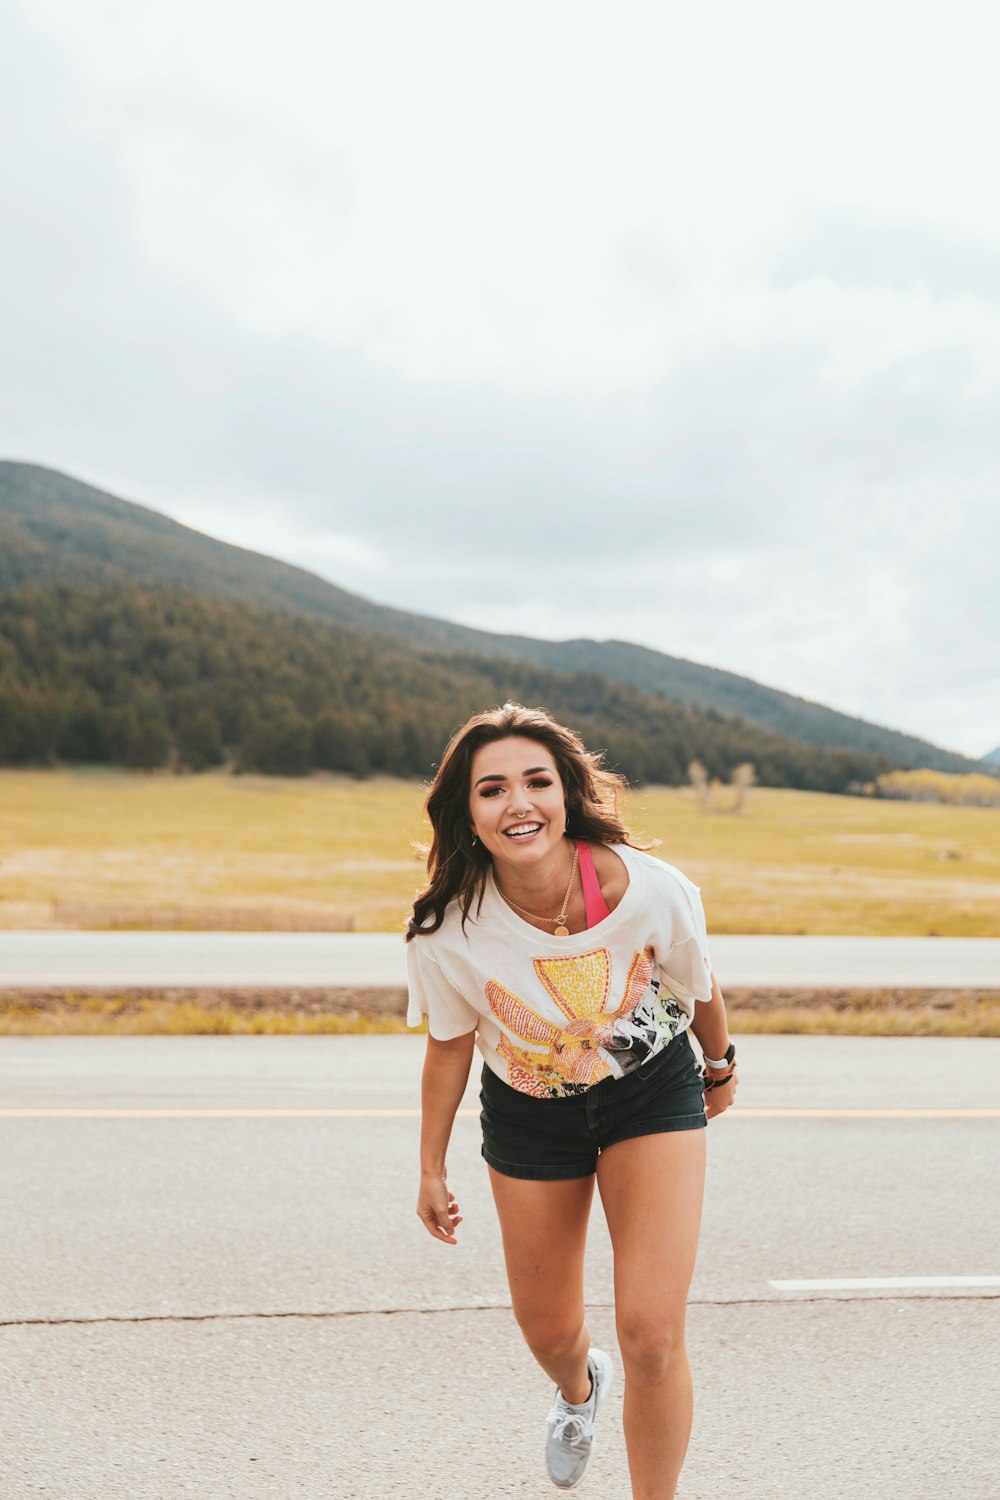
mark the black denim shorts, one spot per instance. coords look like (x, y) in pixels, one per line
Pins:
(559, 1138)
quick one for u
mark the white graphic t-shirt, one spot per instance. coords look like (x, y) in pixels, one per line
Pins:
(554, 1015)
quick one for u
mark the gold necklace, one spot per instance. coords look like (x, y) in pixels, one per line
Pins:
(561, 930)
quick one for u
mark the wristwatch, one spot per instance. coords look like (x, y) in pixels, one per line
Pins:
(727, 1061)
(716, 1077)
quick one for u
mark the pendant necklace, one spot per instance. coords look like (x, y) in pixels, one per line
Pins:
(561, 930)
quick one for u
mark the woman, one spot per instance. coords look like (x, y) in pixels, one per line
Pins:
(578, 962)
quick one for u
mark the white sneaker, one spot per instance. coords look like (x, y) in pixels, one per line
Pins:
(570, 1438)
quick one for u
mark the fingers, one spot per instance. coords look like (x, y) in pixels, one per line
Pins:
(437, 1229)
(440, 1219)
(719, 1099)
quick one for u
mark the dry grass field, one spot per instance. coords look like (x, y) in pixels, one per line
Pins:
(109, 849)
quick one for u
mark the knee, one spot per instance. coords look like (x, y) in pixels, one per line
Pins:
(651, 1342)
(549, 1338)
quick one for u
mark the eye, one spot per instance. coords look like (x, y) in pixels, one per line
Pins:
(540, 781)
(490, 791)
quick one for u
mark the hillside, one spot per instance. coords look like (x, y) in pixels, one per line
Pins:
(55, 529)
(148, 678)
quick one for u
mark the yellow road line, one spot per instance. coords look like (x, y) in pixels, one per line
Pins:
(238, 1113)
(248, 1113)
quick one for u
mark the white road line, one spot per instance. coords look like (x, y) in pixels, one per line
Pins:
(864, 1113)
(884, 1283)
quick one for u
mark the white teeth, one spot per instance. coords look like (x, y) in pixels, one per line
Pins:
(522, 829)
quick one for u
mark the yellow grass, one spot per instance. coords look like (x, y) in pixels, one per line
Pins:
(100, 1015)
(941, 786)
(270, 1013)
(321, 847)
(980, 1019)
(109, 848)
(808, 862)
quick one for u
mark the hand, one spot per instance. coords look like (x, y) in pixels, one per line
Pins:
(437, 1208)
(721, 1096)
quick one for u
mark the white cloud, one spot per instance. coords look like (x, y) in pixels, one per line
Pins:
(678, 328)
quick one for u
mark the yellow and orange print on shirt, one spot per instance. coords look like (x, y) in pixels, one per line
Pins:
(573, 1059)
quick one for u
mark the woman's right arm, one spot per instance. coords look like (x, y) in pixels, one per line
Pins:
(446, 1073)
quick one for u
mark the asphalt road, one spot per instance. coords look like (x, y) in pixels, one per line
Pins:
(212, 1281)
(103, 959)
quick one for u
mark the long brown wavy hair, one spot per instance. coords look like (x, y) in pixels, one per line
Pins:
(457, 867)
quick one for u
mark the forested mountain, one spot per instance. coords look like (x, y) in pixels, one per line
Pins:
(151, 677)
(54, 530)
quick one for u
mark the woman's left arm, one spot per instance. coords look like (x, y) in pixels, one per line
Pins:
(712, 1031)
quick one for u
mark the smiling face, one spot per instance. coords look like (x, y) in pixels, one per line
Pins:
(516, 802)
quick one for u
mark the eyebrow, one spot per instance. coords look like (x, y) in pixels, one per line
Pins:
(531, 771)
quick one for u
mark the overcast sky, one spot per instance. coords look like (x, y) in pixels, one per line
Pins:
(673, 323)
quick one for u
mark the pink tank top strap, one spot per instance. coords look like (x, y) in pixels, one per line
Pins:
(594, 903)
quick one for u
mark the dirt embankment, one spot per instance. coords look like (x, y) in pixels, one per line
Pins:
(149, 1011)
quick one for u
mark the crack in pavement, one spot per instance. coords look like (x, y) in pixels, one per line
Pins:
(390, 1312)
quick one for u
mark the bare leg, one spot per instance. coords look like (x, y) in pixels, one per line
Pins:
(652, 1188)
(544, 1228)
